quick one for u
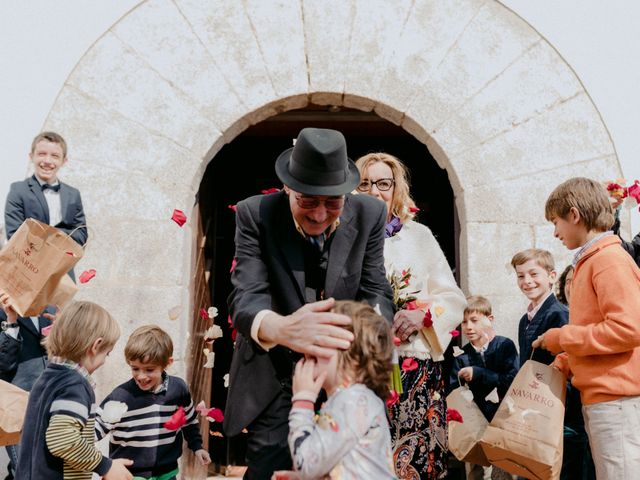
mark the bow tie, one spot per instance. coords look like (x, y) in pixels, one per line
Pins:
(55, 188)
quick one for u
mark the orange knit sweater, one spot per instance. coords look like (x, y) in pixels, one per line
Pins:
(602, 339)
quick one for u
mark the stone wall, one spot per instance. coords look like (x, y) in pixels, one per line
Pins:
(153, 100)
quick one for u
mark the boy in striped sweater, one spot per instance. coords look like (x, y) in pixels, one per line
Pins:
(58, 437)
(136, 413)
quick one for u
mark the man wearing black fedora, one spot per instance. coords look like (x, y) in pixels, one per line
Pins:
(297, 251)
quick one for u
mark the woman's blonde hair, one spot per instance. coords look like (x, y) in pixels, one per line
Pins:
(370, 353)
(149, 344)
(402, 201)
(77, 328)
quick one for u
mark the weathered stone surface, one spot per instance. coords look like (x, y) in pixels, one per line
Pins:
(571, 132)
(115, 76)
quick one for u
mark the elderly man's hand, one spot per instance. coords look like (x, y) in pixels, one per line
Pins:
(312, 329)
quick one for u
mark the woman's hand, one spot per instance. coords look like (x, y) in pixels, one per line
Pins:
(305, 379)
(407, 322)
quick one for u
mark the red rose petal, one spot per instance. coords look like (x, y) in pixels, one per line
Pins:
(412, 305)
(453, 415)
(203, 314)
(634, 191)
(87, 275)
(179, 217)
(409, 365)
(46, 330)
(427, 321)
(397, 341)
(454, 333)
(233, 265)
(270, 190)
(232, 207)
(177, 420)
(216, 414)
(414, 209)
(393, 398)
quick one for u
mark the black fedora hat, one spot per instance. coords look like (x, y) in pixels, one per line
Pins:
(318, 164)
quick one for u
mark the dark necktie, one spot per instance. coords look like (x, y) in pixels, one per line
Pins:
(55, 188)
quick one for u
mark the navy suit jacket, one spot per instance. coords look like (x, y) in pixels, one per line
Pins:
(552, 314)
(497, 370)
(26, 200)
(270, 275)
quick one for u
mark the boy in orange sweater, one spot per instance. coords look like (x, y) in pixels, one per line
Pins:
(601, 343)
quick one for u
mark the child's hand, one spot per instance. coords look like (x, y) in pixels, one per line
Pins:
(12, 316)
(203, 456)
(466, 373)
(304, 379)
(539, 343)
(52, 316)
(118, 470)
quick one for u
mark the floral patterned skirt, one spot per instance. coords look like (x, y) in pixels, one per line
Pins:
(419, 424)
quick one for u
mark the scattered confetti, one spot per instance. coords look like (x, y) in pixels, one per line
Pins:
(233, 265)
(439, 310)
(179, 217)
(427, 321)
(212, 312)
(210, 356)
(457, 351)
(215, 414)
(393, 398)
(174, 312)
(87, 275)
(409, 365)
(454, 333)
(232, 207)
(113, 411)
(226, 380)
(203, 314)
(177, 420)
(414, 209)
(213, 332)
(453, 415)
(270, 190)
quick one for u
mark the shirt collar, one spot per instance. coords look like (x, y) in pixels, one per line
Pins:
(532, 310)
(71, 365)
(42, 182)
(588, 245)
(327, 232)
(164, 386)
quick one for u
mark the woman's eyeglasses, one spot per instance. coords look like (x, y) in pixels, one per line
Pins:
(383, 185)
(310, 202)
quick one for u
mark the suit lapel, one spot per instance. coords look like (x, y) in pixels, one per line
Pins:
(65, 199)
(27, 324)
(289, 242)
(36, 189)
(340, 249)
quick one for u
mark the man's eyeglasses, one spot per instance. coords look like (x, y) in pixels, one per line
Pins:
(310, 202)
(383, 184)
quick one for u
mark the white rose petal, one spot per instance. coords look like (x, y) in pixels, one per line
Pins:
(457, 351)
(212, 312)
(377, 309)
(211, 356)
(226, 380)
(113, 411)
(213, 332)
(493, 396)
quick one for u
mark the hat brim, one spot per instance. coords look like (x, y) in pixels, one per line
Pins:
(282, 170)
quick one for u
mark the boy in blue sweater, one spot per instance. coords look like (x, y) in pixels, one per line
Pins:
(137, 429)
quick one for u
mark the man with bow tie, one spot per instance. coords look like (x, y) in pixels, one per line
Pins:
(42, 196)
(297, 251)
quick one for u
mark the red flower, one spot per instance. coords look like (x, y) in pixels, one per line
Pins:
(87, 275)
(179, 217)
(177, 420)
(409, 365)
(393, 398)
(427, 321)
(232, 207)
(453, 415)
(414, 209)
(270, 190)
(233, 265)
(412, 305)
(454, 333)
(634, 191)
(216, 414)
(396, 341)
(203, 314)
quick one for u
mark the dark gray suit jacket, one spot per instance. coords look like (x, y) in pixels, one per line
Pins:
(26, 200)
(269, 274)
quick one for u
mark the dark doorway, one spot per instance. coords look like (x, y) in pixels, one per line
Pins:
(245, 167)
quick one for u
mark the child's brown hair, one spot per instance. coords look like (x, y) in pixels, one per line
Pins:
(52, 137)
(585, 195)
(478, 304)
(371, 350)
(542, 257)
(77, 328)
(149, 344)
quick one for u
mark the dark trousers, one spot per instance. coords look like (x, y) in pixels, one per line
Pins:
(577, 463)
(267, 447)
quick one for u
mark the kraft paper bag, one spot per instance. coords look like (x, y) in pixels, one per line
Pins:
(13, 406)
(464, 437)
(32, 265)
(525, 436)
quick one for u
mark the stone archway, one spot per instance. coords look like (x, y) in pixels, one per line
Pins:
(171, 82)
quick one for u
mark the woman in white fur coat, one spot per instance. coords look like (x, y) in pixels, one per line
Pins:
(430, 306)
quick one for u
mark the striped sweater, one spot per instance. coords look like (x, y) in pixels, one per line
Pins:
(58, 437)
(140, 434)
